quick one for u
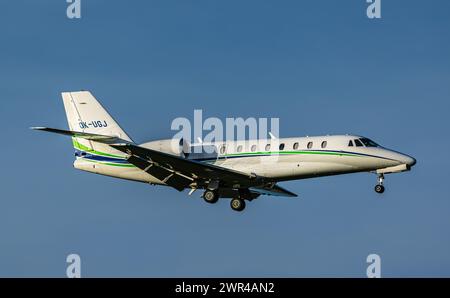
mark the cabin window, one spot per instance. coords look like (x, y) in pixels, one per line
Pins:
(239, 148)
(324, 144)
(281, 146)
(253, 148)
(222, 149)
(295, 146)
(350, 143)
(358, 143)
(268, 147)
(310, 144)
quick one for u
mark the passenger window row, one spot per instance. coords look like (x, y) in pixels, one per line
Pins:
(281, 147)
(361, 142)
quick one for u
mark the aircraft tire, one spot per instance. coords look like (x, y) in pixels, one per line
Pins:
(210, 196)
(237, 204)
(379, 188)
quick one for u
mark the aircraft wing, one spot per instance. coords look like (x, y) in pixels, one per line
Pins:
(179, 172)
(176, 171)
(274, 190)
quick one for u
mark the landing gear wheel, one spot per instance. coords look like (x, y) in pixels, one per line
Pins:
(237, 204)
(210, 196)
(379, 188)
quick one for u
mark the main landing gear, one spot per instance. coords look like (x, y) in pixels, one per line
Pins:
(211, 196)
(379, 188)
(237, 204)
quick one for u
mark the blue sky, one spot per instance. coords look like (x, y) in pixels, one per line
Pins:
(322, 67)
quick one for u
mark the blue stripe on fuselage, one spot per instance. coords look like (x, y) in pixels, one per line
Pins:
(99, 157)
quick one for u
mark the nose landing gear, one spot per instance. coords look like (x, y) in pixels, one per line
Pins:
(379, 188)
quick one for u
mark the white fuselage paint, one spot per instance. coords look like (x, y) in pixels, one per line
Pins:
(291, 163)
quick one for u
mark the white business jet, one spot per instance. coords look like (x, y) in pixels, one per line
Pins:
(240, 170)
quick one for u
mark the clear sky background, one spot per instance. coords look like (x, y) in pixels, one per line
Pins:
(322, 67)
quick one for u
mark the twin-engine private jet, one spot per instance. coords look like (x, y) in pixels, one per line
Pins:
(240, 170)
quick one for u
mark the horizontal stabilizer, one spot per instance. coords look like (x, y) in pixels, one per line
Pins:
(82, 135)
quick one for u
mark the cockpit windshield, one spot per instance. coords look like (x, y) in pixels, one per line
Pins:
(368, 142)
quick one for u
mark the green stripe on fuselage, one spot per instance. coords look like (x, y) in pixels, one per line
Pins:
(82, 147)
(245, 154)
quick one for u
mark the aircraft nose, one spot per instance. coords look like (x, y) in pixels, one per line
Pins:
(409, 160)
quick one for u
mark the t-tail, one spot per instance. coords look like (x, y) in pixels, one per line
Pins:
(92, 129)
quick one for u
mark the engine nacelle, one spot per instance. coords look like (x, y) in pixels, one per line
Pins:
(170, 146)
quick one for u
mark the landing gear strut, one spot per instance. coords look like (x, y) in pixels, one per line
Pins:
(211, 196)
(379, 188)
(237, 204)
